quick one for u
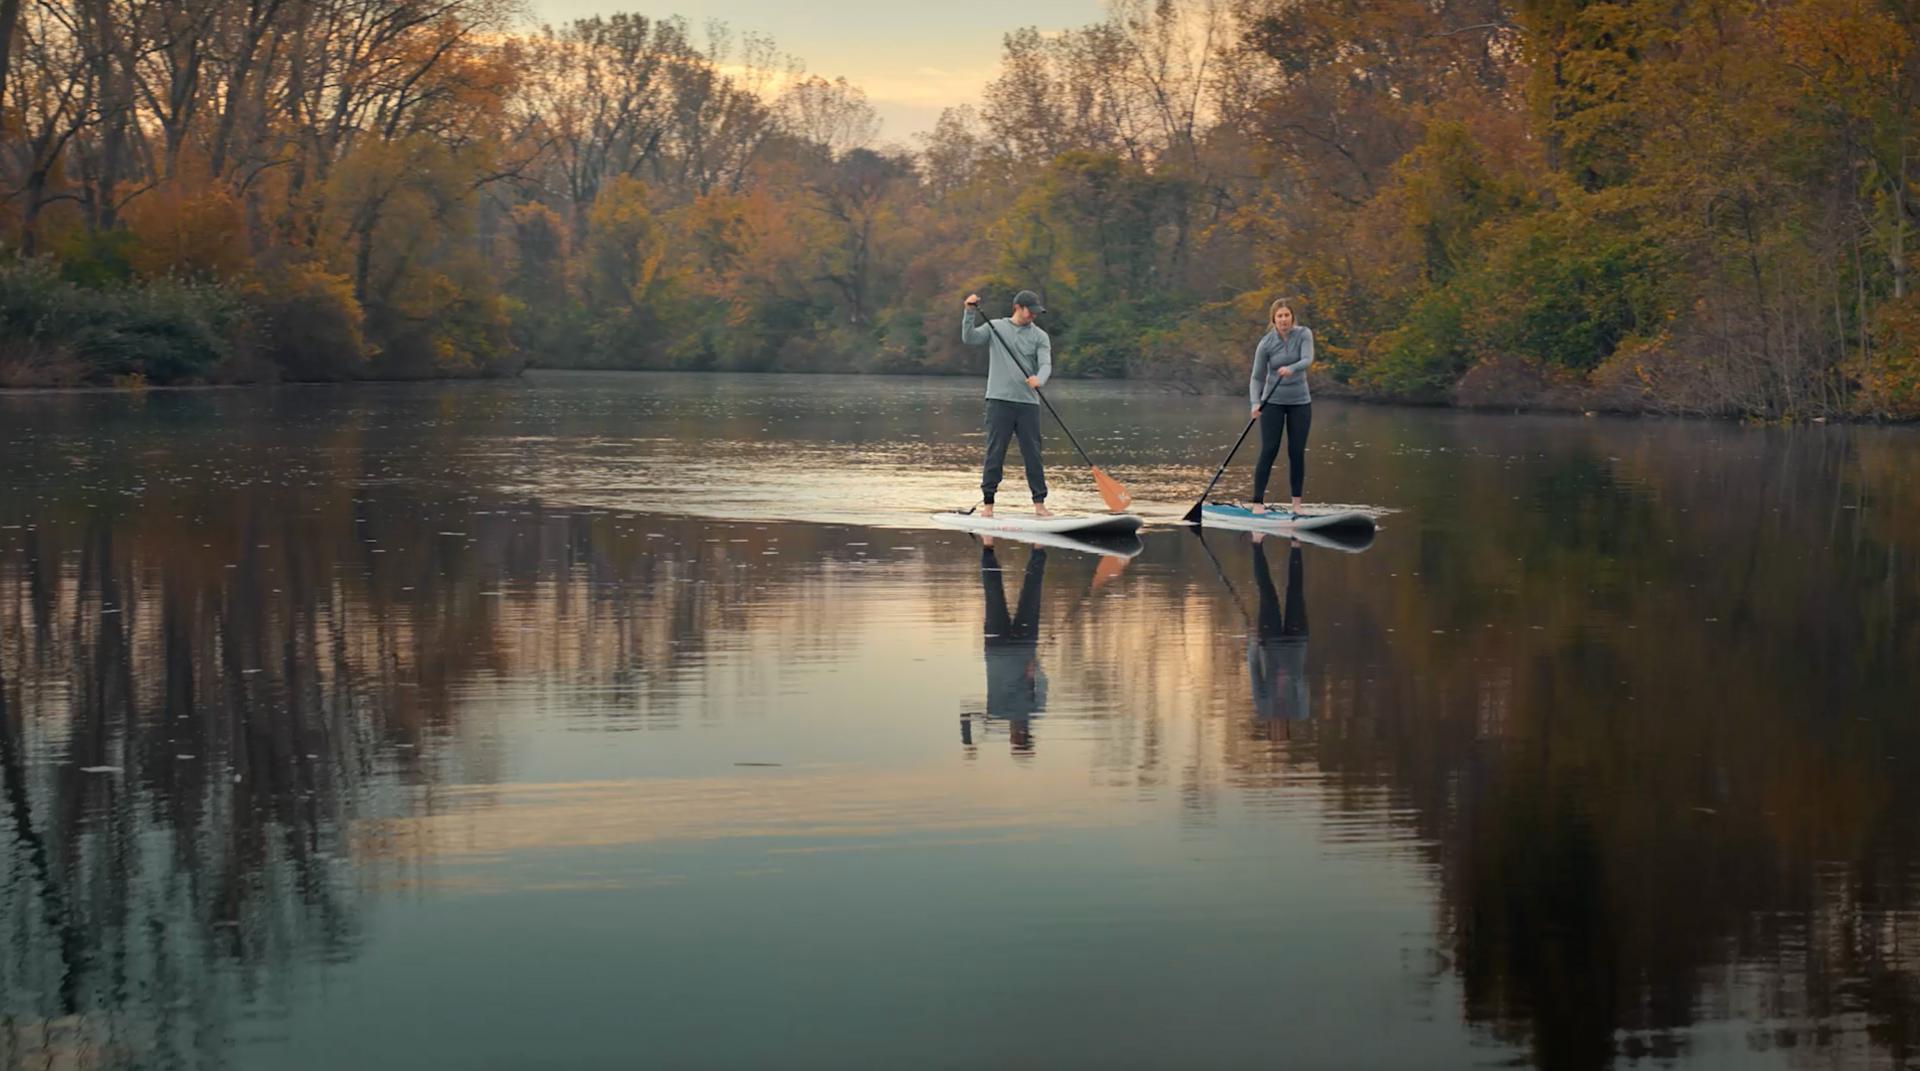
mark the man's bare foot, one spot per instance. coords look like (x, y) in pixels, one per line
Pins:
(1040, 510)
(986, 510)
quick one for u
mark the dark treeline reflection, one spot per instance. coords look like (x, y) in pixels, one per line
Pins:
(1652, 720)
(209, 701)
(1644, 711)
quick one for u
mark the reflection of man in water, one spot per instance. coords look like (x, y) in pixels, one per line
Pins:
(1016, 688)
(1277, 652)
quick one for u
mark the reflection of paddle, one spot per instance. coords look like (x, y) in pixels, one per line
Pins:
(1222, 574)
(1115, 495)
(1193, 515)
(1109, 567)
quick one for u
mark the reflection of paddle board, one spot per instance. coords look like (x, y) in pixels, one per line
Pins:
(1123, 546)
(1081, 527)
(1115, 542)
(1222, 515)
(1352, 540)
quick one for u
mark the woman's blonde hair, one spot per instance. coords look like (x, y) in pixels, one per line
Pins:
(1278, 304)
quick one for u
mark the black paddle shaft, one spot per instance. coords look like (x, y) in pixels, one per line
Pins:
(1036, 390)
(1228, 460)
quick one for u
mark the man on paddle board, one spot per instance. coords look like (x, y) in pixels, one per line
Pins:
(1013, 403)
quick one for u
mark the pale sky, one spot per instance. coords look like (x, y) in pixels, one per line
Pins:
(912, 57)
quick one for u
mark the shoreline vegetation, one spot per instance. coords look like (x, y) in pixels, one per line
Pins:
(1547, 402)
(1683, 208)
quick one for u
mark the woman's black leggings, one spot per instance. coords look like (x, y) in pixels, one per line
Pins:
(1293, 421)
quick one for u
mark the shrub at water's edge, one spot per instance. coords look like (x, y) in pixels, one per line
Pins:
(297, 323)
(54, 332)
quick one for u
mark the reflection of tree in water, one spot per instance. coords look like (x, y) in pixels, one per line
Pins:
(1637, 820)
(182, 752)
(1631, 830)
(271, 675)
(1641, 819)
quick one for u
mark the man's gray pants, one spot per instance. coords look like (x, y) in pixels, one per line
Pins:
(1005, 421)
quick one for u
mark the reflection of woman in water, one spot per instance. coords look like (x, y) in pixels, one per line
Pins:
(1016, 688)
(1277, 652)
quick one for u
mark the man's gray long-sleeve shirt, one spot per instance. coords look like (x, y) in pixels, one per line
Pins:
(1004, 378)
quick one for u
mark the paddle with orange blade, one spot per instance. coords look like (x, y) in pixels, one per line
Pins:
(1115, 496)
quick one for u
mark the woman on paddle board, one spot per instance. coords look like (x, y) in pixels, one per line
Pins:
(1013, 404)
(1278, 390)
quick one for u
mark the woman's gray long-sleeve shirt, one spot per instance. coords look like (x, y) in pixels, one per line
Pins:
(1274, 353)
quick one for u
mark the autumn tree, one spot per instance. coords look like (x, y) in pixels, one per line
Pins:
(833, 115)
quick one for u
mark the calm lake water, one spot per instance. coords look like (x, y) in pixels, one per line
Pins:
(617, 721)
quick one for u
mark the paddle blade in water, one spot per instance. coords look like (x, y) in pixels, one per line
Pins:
(1193, 515)
(1115, 495)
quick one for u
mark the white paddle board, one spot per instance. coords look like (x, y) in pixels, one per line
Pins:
(1223, 515)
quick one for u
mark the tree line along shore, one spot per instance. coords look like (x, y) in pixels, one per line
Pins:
(1683, 207)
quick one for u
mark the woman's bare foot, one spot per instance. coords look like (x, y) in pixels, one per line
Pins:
(1040, 510)
(1296, 505)
(1256, 507)
(986, 510)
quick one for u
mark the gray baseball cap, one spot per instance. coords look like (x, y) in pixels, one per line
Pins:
(1030, 299)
